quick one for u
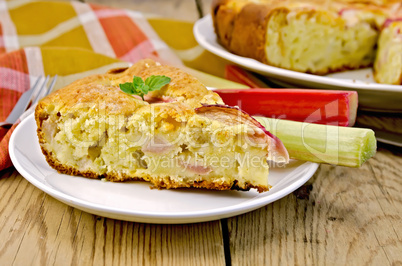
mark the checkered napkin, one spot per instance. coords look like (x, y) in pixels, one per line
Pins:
(74, 39)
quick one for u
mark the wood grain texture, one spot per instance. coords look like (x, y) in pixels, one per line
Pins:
(385, 122)
(36, 229)
(342, 216)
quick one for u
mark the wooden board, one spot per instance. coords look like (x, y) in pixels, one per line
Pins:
(341, 216)
(37, 229)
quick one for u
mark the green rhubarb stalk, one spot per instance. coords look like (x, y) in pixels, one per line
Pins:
(323, 143)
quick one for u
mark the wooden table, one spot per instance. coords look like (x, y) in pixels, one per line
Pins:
(341, 216)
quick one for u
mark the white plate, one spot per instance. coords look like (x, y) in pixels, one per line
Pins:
(372, 96)
(135, 201)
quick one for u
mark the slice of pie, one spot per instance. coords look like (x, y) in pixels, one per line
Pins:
(181, 135)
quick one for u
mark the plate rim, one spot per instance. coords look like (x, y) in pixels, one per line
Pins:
(250, 63)
(165, 217)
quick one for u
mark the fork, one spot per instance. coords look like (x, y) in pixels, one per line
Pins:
(29, 98)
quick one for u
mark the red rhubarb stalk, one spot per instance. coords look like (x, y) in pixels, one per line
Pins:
(239, 75)
(304, 105)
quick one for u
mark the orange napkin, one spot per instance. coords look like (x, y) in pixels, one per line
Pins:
(66, 38)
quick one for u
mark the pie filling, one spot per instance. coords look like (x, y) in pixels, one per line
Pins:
(160, 145)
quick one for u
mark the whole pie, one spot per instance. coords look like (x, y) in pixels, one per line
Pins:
(179, 136)
(315, 36)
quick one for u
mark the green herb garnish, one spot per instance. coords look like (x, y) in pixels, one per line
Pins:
(141, 88)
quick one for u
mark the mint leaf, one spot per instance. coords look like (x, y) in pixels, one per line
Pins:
(157, 82)
(141, 88)
(127, 87)
(138, 83)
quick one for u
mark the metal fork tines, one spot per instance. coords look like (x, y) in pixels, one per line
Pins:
(29, 99)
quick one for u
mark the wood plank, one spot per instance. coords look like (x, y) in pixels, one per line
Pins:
(342, 216)
(37, 229)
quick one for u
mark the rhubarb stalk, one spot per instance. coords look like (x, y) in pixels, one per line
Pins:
(239, 75)
(323, 143)
(304, 105)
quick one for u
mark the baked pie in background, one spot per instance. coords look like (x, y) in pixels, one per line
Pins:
(315, 36)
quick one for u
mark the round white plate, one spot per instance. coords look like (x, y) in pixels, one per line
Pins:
(372, 96)
(135, 201)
